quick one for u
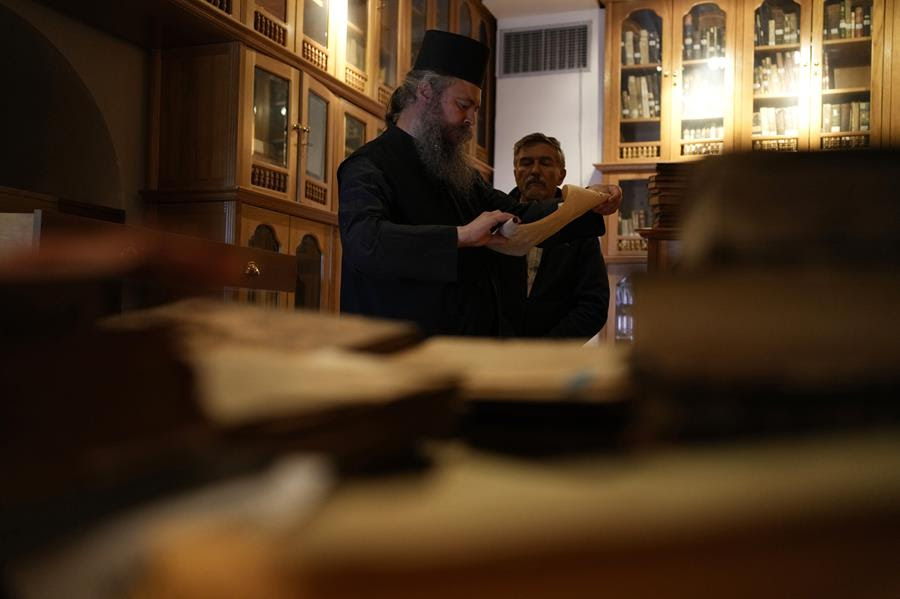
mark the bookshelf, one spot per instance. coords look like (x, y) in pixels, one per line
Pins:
(687, 79)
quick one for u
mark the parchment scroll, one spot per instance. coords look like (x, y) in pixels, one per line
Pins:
(576, 201)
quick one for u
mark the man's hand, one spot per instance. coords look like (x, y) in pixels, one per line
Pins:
(613, 200)
(478, 232)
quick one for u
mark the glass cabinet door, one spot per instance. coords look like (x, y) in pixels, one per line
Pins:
(846, 99)
(777, 71)
(265, 230)
(273, 19)
(388, 30)
(312, 244)
(356, 51)
(639, 69)
(270, 107)
(315, 44)
(622, 239)
(314, 168)
(703, 78)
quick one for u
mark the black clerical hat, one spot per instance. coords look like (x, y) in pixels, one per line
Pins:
(455, 55)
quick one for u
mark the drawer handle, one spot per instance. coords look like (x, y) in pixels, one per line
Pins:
(252, 269)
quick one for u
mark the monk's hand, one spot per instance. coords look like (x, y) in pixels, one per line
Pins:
(613, 199)
(484, 230)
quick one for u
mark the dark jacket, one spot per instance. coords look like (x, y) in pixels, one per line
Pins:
(398, 236)
(570, 293)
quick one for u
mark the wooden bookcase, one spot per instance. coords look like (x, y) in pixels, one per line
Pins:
(757, 75)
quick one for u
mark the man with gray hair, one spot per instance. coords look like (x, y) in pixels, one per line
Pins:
(416, 219)
(556, 291)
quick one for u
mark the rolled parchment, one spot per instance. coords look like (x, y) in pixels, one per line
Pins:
(523, 237)
(508, 228)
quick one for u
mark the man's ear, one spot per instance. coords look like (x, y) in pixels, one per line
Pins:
(424, 91)
(562, 176)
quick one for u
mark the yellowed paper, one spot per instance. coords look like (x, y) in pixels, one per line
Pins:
(576, 201)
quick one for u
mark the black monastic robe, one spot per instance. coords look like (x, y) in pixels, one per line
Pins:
(398, 236)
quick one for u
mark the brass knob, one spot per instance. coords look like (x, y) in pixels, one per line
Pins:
(252, 269)
(300, 128)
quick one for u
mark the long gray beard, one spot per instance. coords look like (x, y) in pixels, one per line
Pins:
(445, 157)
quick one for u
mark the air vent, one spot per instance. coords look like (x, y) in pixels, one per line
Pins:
(555, 49)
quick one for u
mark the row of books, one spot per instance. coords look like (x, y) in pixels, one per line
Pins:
(770, 120)
(845, 19)
(701, 149)
(704, 36)
(640, 47)
(787, 144)
(648, 151)
(845, 141)
(781, 76)
(637, 220)
(640, 99)
(847, 116)
(631, 245)
(708, 132)
(775, 26)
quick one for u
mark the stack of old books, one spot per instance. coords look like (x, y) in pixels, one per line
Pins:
(783, 312)
(667, 191)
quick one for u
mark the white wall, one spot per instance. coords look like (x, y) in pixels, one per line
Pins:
(568, 106)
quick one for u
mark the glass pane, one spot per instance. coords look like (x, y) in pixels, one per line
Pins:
(777, 76)
(846, 74)
(703, 97)
(442, 18)
(387, 48)
(419, 17)
(634, 214)
(276, 8)
(315, 20)
(309, 273)
(465, 20)
(641, 59)
(264, 238)
(270, 116)
(318, 127)
(354, 134)
(357, 26)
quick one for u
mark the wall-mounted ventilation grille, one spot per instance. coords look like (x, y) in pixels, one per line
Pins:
(544, 50)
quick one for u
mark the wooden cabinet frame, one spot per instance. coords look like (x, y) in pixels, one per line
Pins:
(309, 191)
(362, 80)
(321, 57)
(271, 26)
(254, 173)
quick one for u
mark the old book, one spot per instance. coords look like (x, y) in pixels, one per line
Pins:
(832, 21)
(644, 45)
(864, 116)
(645, 99)
(854, 116)
(835, 118)
(845, 116)
(533, 393)
(778, 17)
(779, 121)
(629, 47)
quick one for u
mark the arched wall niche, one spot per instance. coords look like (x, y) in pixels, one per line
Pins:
(55, 140)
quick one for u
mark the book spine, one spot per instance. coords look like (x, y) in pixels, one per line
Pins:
(845, 116)
(854, 116)
(688, 32)
(644, 46)
(835, 118)
(629, 47)
(863, 116)
(826, 117)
